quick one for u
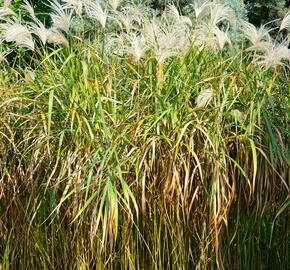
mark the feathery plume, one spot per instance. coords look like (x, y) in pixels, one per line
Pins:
(129, 15)
(200, 10)
(27, 6)
(256, 37)
(219, 13)
(61, 16)
(2, 54)
(166, 39)
(175, 13)
(13, 31)
(114, 4)
(170, 43)
(5, 10)
(137, 13)
(273, 55)
(151, 29)
(203, 37)
(57, 38)
(221, 37)
(6, 3)
(77, 5)
(115, 43)
(285, 24)
(137, 47)
(95, 11)
(124, 20)
(2, 57)
(38, 28)
(286, 41)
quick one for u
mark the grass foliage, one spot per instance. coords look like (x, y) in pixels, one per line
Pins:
(131, 139)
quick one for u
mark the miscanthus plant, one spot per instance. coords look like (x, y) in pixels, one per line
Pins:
(144, 141)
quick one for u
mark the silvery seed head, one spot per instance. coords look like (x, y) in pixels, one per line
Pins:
(61, 16)
(272, 55)
(285, 24)
(95, 11)
(57, 38)
(5, 10)
(254, 35)
(14, 31)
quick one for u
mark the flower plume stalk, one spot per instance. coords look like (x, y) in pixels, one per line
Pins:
(38, 29)
(123, 19)
(95, 11)
(180, 19)
(114, 4)
(77, 5)
(285, 24)
(221, 38)
(2, 57)
(137, 46)
(256, 37)
(219, 13)
(27, 6)
(273, 55)
(5, 10)
(13, 31)
(200, 10)
(57, 38)
(3, 54)
(61, 16)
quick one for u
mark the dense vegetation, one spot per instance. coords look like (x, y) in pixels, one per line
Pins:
(141, 138)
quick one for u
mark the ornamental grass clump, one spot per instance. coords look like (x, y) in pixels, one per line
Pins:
(147, 142)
